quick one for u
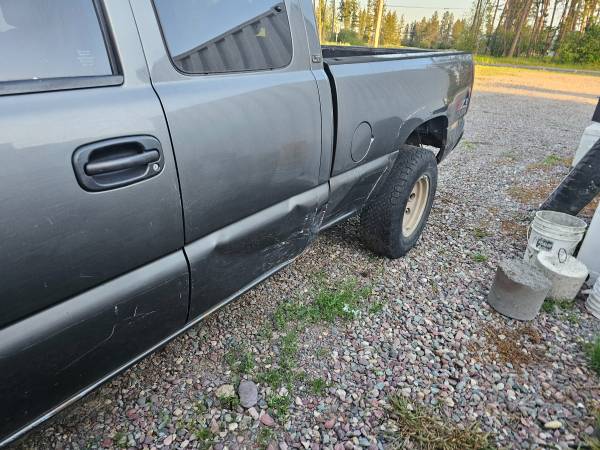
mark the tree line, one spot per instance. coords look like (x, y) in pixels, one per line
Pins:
(567, 30)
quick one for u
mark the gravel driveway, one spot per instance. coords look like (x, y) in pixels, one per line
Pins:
(334, 338)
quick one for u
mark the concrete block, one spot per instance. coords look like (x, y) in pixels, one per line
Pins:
(519, 290)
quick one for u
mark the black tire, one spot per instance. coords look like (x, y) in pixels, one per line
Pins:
(382, 218)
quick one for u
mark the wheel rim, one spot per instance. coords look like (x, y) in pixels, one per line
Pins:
(415, 207)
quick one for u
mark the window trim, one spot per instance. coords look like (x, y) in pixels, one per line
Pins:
(32, 86)
(232, 72)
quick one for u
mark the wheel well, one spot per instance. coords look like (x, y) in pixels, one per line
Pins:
(432, 133)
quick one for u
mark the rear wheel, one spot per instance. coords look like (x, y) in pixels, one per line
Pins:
(393, 221)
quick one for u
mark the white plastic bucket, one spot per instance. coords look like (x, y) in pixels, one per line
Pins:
(593, 301)
(590, 249)
(554, 232)
(567, 276)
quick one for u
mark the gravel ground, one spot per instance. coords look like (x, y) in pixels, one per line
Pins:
(417, 328)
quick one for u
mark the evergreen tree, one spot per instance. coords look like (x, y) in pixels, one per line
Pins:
(390, 30)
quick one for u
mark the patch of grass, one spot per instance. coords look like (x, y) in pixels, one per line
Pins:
(283, 374)
(593, 442)
(230, 403)
(329, 304)
(593, 352)
(318, 277)
(279, 405)
(197, 428)
(240, 360)
(341, 302)
(480, 233)
(534, 62)
(289, 350)
(549, 162)
(120, 439)
(468, 145)
(551, 305)
(322, 352)
(318, 386)
(265, 437)
(554, 160)
(572, 318)
(479, 257)
(200, 407)
(164, 418)
(266, 332)
(376, 308)
(205, 437)
(275, 378)
(418, 428)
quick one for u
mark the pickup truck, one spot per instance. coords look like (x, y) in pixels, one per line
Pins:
(161, 158)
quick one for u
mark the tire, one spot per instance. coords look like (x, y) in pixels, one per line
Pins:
(383, 224)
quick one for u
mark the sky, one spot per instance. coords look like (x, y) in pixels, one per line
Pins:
(416, 9)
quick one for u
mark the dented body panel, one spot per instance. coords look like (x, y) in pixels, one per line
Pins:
(235, 256)
(251, 166)
(52, 355)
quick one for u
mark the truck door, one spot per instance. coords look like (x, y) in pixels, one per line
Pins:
(243, 110)
(91, 230)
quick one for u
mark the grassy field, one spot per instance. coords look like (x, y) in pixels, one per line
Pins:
(541, 62)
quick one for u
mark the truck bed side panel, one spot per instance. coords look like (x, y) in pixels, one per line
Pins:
(394, 96)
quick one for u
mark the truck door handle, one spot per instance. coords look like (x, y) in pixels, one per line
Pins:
(122, 163)
(116, 163)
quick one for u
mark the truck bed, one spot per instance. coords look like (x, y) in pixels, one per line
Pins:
(393, 92)
(337, 54)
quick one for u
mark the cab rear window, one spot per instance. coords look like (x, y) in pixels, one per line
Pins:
(219, 36)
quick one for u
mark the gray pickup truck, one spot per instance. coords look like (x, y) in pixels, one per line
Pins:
(160, 158)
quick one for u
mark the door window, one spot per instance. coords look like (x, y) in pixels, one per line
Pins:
(226, 35)
(46, 39)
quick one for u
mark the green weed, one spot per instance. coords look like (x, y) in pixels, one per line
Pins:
(376, 308)
(230, 403)
(468, 145)
(318, 386)
(551, 305)
(593, 352)
(554, 160)
(240, 360)
(120, 439)
(479, 257)
(265, 437)
(329, 304)
(480, 233)
(279, 405)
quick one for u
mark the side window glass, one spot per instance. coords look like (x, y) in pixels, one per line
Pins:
(216, 36)
(45, 39)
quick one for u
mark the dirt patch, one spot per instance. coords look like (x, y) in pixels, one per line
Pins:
(418, 427)
(534, 196)
(516, 231)
(519, 346)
